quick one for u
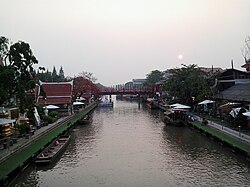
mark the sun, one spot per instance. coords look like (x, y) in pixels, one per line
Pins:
(180, 56)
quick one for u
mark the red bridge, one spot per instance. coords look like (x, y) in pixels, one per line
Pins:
(111, 91)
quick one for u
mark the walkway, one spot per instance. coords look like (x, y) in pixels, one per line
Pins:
(237, 134)
(25, 141)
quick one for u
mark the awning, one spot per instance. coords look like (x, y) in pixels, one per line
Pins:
(78, 103)
(206, 102)
(179, 106)
(51, 107)
(246, 114)
(4, 121)
(235, 111)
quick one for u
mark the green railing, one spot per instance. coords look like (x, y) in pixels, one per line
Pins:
(20, 157)
(223, 137)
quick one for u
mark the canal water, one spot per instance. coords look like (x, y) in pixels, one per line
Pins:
(129, 145)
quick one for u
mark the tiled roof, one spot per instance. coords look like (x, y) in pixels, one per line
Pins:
(56, 100)
(57, 90)
(238, 92)
(57, 93)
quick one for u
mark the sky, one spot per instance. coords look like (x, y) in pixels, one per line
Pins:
(121, 40)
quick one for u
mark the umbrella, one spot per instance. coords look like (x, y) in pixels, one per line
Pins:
(51, 107)
(81, 99)
(78, 103)
(179, 106)
(246, 114)
(206, 102)
(235, 111)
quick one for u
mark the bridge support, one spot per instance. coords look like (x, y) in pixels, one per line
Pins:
(110, 100)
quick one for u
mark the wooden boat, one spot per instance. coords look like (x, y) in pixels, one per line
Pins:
(152, 103)
(53, 150)
(86, 120)
(175, 117)
(164, 106)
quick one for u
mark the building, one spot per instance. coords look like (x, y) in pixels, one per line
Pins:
(57, 93)
(230, 77)
(234, 86)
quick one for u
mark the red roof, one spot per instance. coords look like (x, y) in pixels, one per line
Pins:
(57, 93)
(55, 101)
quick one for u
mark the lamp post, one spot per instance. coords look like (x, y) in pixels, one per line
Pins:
(45, 110)
(239, 130)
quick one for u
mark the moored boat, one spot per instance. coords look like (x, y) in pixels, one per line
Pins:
(152, 103)
(176, 115)
(53, 150)
(164, 106)
(105, 103)
(86, 120)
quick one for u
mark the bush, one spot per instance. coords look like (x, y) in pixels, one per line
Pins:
(48, 119)
(23, 128)
(54, 114)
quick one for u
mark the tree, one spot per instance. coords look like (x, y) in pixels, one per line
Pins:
(84, 86)
(246, 49)
(188, 84)
(88, 76)
(154, 77)
(61, 74)
(4, 47)
(16, 73)
(54, 75)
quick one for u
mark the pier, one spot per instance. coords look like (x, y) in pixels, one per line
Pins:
(18, 156)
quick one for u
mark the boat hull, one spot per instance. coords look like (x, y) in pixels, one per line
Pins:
(49, 154)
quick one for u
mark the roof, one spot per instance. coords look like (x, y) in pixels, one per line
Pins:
(57, 92)
(232, 74)
(238, 92)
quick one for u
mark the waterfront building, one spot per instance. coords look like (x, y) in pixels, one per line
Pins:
(57, 93)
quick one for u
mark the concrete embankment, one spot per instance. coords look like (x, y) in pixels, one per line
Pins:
(17, 160)
(236, 145)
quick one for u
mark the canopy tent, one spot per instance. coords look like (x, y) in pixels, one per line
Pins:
(246, 114)
(78, 103)
(51, 107)
(206, 102)
(235, 111)
(5, 121)
(179, 106)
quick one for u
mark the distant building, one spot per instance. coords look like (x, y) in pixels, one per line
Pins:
(230, 77)
(234, 85)
(57, 93)
(236, 93)
(211, 70)
(138, 81)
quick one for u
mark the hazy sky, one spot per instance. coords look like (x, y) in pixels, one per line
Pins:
(119, 40)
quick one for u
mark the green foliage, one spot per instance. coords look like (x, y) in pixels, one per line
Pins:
(154, 77)
(61, 76)
(23, 128)
(16, 78)
(48, 119)
(54, 114)
(187, 83)
(50, 76)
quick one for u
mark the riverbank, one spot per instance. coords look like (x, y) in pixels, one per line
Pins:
(18, 156)
(233, 141)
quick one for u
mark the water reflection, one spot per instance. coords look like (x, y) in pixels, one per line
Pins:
(131, 146)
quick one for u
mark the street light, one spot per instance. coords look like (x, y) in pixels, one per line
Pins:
(239, 130)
